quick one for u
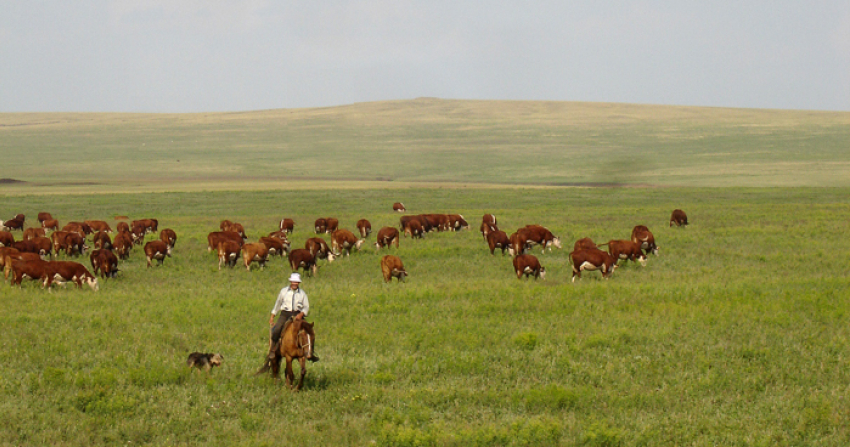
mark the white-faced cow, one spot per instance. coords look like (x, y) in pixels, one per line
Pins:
(168, 236)
(592, 259)
(387, 236)
(644, 237)
(365, 228)
(628, 250)
(498, 239)
(528, 265)
(301, 258)
(105, 262)
(287, 225)
(399, 207)
(392, 267)
(255, 252)
(64, 271)
(228, 252)
(343, 241)
(540, 235)
(157, 250)
(319, 248)
(584, 243)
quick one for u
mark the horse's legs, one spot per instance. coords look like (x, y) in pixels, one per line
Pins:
(290, 376)
(275, 367)
(303, 362)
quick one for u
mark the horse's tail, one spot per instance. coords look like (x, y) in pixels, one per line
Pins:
(265, 368)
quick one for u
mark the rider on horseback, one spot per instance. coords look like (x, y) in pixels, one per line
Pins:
(292, 305)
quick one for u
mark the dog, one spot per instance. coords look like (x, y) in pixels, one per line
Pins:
(204, 361)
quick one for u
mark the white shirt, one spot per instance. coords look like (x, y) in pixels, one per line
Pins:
(291, 300)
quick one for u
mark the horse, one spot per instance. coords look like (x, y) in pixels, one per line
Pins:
(296, 342)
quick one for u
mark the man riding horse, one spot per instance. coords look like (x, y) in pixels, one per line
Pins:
(291, 304)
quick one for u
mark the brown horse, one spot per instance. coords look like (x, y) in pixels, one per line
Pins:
(296, 342)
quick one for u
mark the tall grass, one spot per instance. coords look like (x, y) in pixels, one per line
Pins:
(736, 334)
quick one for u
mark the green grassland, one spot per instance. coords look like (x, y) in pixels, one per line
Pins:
(736, 334)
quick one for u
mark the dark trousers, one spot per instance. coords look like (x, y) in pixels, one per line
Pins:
(280, 324)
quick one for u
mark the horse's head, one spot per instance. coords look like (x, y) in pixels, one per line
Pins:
(305, 338)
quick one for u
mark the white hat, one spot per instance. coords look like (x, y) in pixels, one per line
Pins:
(295, 277)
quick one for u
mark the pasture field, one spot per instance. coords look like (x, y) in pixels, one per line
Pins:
(736, 334)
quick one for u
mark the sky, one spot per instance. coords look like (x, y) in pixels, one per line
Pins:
(208, 55)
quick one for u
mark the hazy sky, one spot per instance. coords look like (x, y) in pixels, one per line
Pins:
(206, 55)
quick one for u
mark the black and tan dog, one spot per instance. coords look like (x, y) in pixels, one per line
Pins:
(204, 361)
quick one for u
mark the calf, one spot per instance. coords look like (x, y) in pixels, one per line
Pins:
(157, 250)
(592, 259)
(50, 224)
(287, 225)
(644, 237)
(392, 267)
(498, 239)
(399, 207)
(105, 262)
(228, 252)
(63, 271)
(679, 218)
(386, 236)
(528, 265)
(621, 249)
(344, 240)
(168, 236)
(256, 251)
(301, 258)
(364, 227)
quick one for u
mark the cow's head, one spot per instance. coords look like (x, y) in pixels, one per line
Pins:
(359, 244)
(542, 272)
(400, 274)
(331, 257)
(556, 241)
(91, 281)
(642, 259)
(168, 250)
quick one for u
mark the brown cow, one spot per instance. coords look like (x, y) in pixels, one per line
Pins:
(50, 224)
(332, 224)
(228, 252)
(237, 228)
(33, 232)
(679, 218)
(321, 225)
(644, 237)
(102, 240)
(303, 259)
(276, 246)
(25, 267)
(498, 239)
(256, 251)
(78, 227)
(98, 225)
(4, 251)
(122, 244)
(105, 262)
(42, 216)
(225, 225)
(413, 227)
(489, 219)
(540, 235)
(386, 236)
(365, 228)
(592, 259)
(75, 245)
(438, 221)
(519, 243)
(26, 247)
(319, 248)
(12, 224)
(168, 236)
(623, 249)
(528, 265)
(6, 238)
(392, 267)
(457, 222)
(487, 228)
(138, 232)
(157, 250)
(584, 243)
(287, 225)
(149, 225)
(344, 240)
(122, 226)
(63, 271)
(58, 239)
(215, 237)
(399, 207)
(45, 246)
(10, 257)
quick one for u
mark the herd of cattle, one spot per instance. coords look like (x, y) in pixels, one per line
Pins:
(25, 258)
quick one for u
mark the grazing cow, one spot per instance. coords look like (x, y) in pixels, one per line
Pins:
(256, 251)
(623, 249)
(215, 237)
(225, 225)
(12, 224)
(519, 243)
(392, 267)
(399, 207)
(438, 221)
(75, 245)
(457, 222)
(584, 243)
(63, 271)
(6, 238)
(644, 237)
(44, 246)
(157, 250)
(331, 224)
(138, 233)
(33, 232)
(25, 267)
(320, 226)
(413, 227)
(105, 262)
(489, 219)
(50, 224)
(319, 248)
(528, 265)
(58, 239)
(168, 236)
(364, 227)
(42, 216)
(679, 218)
(287, 225)
(498, 239)
(26, 247)
(122, 244)
(102, 240)
(4, 251)
(275, 245)
(237, 228)
(540, 235)
(344, 240)
(78, 227)
(487, 228)
(149, 225)
(228, 252)
(387, 236)
(10, 257)
(592, 259)
(301, 258)
(98, 225)
(122, 226)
